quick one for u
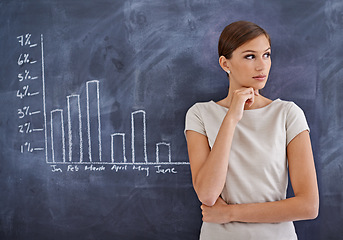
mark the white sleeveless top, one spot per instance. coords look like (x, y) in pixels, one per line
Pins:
(257, 170)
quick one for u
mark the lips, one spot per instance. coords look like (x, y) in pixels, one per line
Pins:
(260, 77)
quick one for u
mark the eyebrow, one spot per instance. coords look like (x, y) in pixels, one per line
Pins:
(255, 51)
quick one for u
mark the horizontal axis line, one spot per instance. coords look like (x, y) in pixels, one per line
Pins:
(122, 163)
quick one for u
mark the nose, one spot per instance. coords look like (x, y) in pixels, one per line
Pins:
(262, 64)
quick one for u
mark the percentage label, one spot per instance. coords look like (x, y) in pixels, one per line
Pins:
(25, 128)
(25, 76)
(25, 40)
(26, 147)
(23, 58)
(24, 92)
(22, 112)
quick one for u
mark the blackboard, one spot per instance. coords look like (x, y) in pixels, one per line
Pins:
(94, 94)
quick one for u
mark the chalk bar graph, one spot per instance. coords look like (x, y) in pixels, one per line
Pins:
(66, 143)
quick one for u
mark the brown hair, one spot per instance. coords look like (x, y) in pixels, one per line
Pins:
(236, 34)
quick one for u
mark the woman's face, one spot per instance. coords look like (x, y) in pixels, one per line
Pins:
(250, 64)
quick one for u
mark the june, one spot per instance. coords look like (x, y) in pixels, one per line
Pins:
(165, 170)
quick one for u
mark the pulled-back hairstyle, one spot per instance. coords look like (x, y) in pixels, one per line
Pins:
(236, 34)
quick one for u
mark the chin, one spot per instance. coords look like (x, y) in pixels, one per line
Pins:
(258, 86)
(261, 85)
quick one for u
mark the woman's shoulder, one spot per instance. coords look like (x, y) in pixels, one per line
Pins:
(203, 110)
(289, 108)
(286, 103)
(200, 106)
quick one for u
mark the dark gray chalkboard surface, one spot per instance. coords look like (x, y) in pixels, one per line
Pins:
(93, 96)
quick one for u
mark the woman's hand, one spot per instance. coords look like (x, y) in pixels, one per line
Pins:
(241, 98)
(218, 213)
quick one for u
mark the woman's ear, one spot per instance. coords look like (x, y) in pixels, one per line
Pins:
(223, 62)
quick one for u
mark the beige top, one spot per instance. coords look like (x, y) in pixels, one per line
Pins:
(257, 170)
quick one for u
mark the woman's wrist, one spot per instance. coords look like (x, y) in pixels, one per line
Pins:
(231, 119)
(230, 213)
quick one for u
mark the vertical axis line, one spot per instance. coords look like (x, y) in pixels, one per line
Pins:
(44, 101)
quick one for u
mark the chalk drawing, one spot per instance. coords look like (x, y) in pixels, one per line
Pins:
(71, 109)
(134, 116)
(113, 147)
(158, 145)
(44, 101)
(56, 142)
(90, 110)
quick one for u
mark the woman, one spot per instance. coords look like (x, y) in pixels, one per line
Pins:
(241, 148)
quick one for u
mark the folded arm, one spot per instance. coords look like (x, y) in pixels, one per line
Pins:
(304, 205)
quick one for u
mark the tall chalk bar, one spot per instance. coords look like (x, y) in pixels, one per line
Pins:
(93, 121)
(138, 137)
(74, 129)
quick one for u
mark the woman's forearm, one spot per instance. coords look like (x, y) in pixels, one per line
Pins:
(291, 209)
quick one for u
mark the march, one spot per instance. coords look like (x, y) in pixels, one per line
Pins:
(92, 168)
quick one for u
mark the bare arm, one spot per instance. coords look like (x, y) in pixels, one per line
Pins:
(209, 166)
(304, 205)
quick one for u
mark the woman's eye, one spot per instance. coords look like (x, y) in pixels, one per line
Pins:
(250, 56)
(266, 55)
